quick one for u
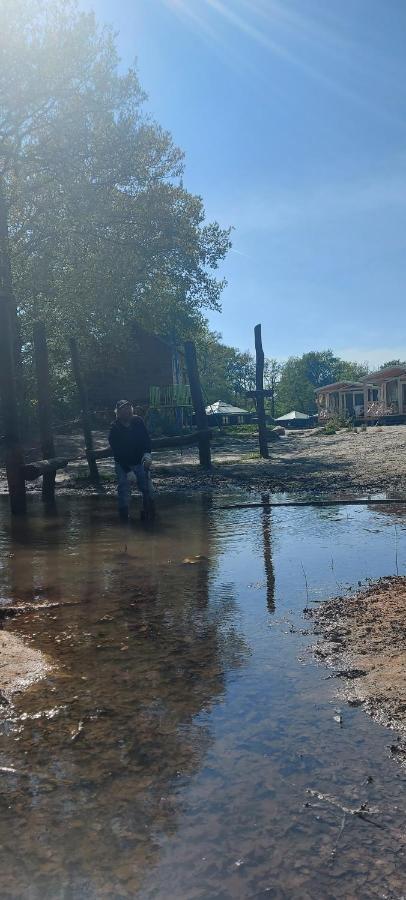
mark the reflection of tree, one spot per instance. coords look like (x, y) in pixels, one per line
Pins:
(269, 571)
(140, 663)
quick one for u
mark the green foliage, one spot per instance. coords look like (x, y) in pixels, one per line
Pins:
(330, 428)
(102, 230)
(226, 373)
(391, 363)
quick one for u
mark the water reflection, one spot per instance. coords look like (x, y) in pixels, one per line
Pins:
(108, 742)
(170, 752)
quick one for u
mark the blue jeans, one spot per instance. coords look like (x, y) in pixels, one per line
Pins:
(144, 484)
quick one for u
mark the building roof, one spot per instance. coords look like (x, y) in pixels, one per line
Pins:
(294, 414)
(340, 386)
(385, 375)
(225, 409)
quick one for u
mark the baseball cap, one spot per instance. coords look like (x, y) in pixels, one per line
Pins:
(121, 403)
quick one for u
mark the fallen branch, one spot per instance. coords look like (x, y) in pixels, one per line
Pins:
(360, 811)
(34, 470)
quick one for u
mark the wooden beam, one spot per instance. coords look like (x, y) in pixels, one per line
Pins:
(44, 408)
(267, 392)
(259, 384)
(87, 431)
(198, 404)
(43, 467)
(8, 394)
(164, 443)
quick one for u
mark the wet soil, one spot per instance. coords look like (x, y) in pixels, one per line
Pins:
(20, 665)
(363, 637)
(307, 461)
(184, 743)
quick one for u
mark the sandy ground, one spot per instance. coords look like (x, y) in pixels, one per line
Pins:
(20, 665)
(308, 461)
(363, 638)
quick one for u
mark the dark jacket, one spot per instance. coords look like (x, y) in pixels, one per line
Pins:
(129, 442)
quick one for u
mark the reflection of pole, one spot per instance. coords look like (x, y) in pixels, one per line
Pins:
(203, 568)
(8, 393)
(266, 531)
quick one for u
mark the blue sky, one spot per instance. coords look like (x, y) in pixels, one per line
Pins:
(292, 115)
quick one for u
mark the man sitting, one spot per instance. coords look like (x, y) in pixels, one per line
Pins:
(131, 446)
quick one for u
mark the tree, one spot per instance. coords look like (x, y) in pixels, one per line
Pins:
(392, 363)
(226, 372)
(272, 373)
(102, 230)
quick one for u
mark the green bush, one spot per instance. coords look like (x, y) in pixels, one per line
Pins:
(330, 428)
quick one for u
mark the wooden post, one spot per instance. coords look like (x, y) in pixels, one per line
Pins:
(8, 393)
(198, 404)
(87, 431)
(259, 385)
(44, 408)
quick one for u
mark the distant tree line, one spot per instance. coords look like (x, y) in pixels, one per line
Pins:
(228, 373)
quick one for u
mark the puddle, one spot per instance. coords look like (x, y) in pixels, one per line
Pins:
(186, 743)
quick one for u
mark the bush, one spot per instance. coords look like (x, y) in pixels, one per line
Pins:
(334, 425)
(330, 428)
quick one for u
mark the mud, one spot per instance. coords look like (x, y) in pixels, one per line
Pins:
(363, 637)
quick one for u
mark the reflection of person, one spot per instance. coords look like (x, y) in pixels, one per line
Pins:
(131, 446)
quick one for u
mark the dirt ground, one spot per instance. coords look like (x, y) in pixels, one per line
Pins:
(301, 462)
(363, 638)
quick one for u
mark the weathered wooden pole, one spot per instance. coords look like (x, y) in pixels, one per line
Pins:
(8, 394)
(198, 404)
(44, 408)
(87, 431)
(259, 391)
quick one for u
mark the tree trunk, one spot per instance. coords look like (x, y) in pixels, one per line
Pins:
(198, 404)
(44, 408)
(8, 394)
(259, 386)
(87, 431)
